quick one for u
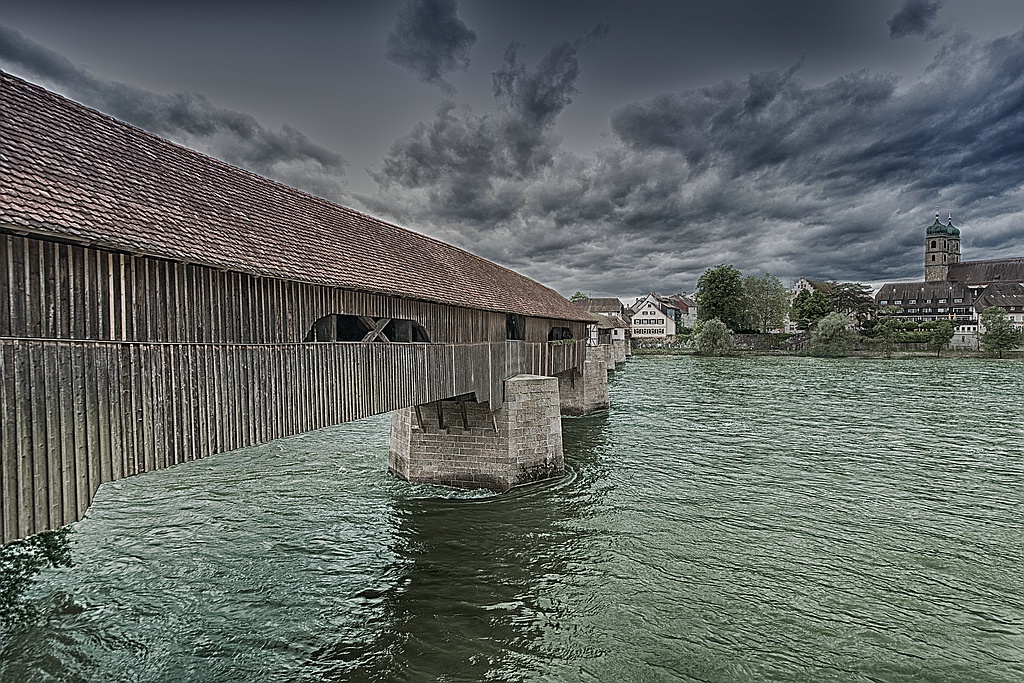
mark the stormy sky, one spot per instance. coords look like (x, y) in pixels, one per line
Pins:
(610, 147)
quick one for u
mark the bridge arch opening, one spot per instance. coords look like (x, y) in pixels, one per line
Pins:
(559, 333)
(360, 328)
(515, 327)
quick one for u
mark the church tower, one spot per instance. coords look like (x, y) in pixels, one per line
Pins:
(941, 248)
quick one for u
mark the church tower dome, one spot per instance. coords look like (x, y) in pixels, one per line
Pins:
(941, 248)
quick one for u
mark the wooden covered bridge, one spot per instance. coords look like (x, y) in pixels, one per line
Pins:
(158, 306)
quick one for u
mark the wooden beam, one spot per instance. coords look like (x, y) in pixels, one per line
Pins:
(440, 415)
(377, 328)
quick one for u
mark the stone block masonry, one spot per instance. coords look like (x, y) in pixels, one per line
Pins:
(586, 393)
(462, 443)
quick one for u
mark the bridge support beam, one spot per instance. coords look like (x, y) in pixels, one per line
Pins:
(586, 393)
(462, 443)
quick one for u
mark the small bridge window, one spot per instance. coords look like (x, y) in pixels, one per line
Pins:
(361, 328)
(559, 333)
(515, 326)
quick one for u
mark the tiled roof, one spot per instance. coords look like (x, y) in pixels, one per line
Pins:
(982, 272)
(600, 305)
(1003, 294)
(922, 291)
(74, 173)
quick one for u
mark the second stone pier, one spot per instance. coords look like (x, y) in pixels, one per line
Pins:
(459, 442)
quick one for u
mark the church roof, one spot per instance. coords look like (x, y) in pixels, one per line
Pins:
(921, 292)
(984, 272)
(70, 172)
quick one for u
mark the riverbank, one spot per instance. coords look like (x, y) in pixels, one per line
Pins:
(868, 354)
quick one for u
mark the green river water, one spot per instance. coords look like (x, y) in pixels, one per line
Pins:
(728, 520)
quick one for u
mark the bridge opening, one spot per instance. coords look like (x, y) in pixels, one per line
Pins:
(515, 326)
(360, 328)
(559, 333)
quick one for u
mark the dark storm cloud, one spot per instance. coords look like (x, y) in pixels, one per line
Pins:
(431, 41)
(915, 18)
(771, 173)
(473, 167)
(285, 154)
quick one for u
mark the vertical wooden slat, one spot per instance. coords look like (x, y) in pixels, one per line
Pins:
(116, 411)
(147, 380)
(114, 295)
(171, 402)
(104, 454)
(51, 390)
(92, 417)
(160, 407)
(101, 294)
(88, 301)
(33, 288)
(51, 291)
(9, 488)
(66, 391)
(82, 494)
(16, 266)
(134, 435)
(218, 399)
(6, 273)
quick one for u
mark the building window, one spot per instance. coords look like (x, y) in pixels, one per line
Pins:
(933, 257)
(911, 301)
(942, 301)
(933, 246)
(883, 302)
(897, 302)
(958, 301)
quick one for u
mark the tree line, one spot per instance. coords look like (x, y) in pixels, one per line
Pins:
(837, 314)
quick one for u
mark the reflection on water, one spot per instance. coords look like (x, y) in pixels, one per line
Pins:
(727, 520)
(477, 581)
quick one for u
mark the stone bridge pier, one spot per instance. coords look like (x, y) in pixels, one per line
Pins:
(584, 393)
(459, 442)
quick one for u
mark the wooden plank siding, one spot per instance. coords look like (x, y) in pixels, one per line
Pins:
(112, 364)
(69, 426)
(54, 290)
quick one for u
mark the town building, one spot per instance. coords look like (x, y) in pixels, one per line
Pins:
(611, 324)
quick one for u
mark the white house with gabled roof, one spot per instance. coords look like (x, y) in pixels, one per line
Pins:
(650, 320)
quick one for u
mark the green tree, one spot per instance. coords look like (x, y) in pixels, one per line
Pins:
(1000, 334)
(767, 301)
(720, 295)
(810, 306)
(578, 296)
(853, 299)
(887, 330)
(940, 336)
(832, 337)
(712, 338)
